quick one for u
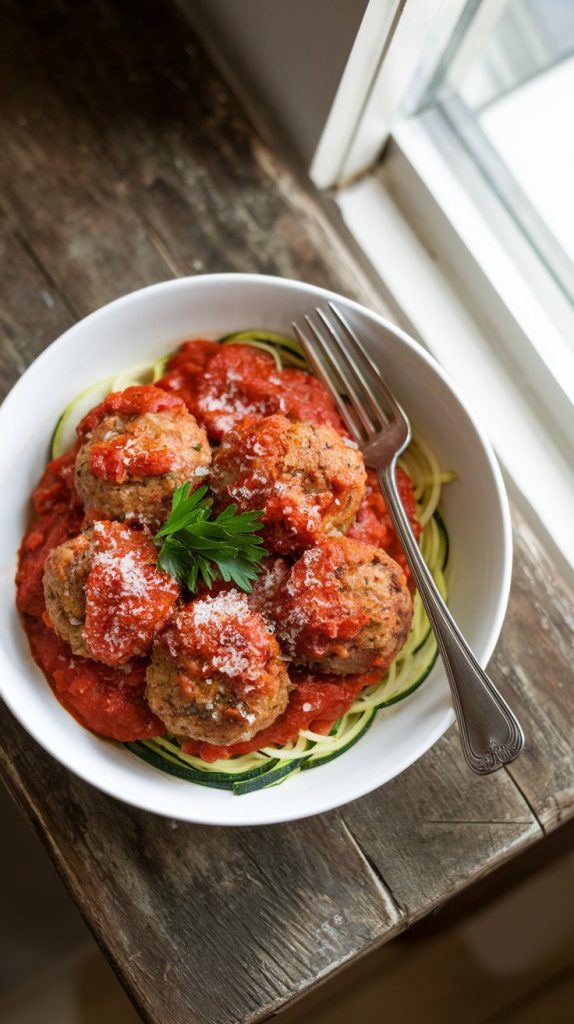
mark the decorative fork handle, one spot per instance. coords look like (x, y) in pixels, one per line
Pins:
(491, 736)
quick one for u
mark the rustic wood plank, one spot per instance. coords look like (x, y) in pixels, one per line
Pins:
(203, 924)
(31, 311)
(440, 976)
(535, 658)
(54, 182)
(136, 165)
(437, 826)
(552, 1003)
(104, 173)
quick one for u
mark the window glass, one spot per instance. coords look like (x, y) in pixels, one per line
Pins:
(506, 84)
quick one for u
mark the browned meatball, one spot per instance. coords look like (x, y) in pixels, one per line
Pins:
(139, 446)
(65, 575)
(105, 594)
(346, 608)
(308, 480)
(216, 674)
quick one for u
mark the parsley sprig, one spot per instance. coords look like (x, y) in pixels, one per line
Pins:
(194, 545)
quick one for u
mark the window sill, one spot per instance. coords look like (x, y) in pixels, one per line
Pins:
(536, 469)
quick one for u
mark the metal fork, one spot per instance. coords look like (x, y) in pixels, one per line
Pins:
(490, 734)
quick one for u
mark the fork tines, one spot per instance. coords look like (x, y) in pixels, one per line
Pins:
(341, 360)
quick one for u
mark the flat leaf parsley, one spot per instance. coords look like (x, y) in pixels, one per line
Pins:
(194, 545)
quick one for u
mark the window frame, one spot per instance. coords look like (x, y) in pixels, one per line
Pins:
(505, 284)
(498, 299)
(391, 46)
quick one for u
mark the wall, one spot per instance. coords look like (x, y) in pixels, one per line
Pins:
(285, 57)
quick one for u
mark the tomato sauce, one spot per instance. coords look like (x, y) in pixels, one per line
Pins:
(185, 369)
(60, 516)
(229, 640)
(306, 398)
(115, 460)
(109, 701)
(373, 524)
(271, 465)
(224, 384)
(133, 401)
(315, 589)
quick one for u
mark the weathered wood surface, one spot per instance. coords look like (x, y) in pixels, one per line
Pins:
(537, 654)
(128, 162)
(124, 161)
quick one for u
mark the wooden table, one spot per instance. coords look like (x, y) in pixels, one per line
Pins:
(124, 161)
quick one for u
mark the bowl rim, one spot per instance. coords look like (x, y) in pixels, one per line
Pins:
(498, 611)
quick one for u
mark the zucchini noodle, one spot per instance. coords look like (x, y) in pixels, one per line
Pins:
(144, 373)
(272, 765)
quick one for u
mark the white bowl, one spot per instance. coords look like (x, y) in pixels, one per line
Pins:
(149, 323)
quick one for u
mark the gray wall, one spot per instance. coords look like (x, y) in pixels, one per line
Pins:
(285, 57)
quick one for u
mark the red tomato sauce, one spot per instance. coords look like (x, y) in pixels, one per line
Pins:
(253, 456)
(109, 701)
(220, 629)
(185, 369)
(60, 516)
(222, 385)
(133, 401)
(315, 579)
(115, 461)
(315, 703)
(373, 524)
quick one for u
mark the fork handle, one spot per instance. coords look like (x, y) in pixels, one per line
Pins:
(490, 734)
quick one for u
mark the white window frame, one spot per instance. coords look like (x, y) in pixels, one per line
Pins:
(504, 311)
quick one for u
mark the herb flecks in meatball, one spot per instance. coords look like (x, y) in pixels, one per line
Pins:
(308, 480)
(346, 608)
(216, 674)
(138, 446)
(105, 595)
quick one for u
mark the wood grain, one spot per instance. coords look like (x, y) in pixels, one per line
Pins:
(31, 310)
(202, 923)
(480, 970)
(437, 826)
(534, 660)
(149, 159)
(125, 160)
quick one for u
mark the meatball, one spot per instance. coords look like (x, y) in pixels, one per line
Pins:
(105, 595)
(308, 480)
(268, 586)
(216, 673)
(346, 608)
(65, 575)
(139, 445)
(222, 384)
